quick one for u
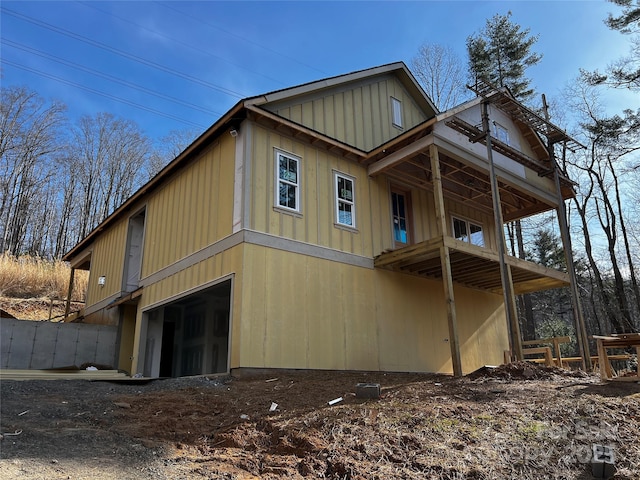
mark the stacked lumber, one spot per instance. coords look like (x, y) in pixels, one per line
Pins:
(61, 374)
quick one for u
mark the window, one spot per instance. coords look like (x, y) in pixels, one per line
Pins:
(468, 232)
(396, 111)
(401, 209)
(345, 200)
(501, 133)
(288, 181)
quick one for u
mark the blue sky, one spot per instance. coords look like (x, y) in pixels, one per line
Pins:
(200, 58)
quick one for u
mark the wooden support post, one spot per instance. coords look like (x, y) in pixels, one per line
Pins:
(578, 317)
(603, 360)
(556, 347)
(445, 262)
(67, 307)
(511, 311)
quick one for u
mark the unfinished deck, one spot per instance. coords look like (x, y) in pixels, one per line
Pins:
(472, 266)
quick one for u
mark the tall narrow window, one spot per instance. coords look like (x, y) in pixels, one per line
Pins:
(468, 232)
(396, 111)
(401, 209)
(288, 181)
(345, 200)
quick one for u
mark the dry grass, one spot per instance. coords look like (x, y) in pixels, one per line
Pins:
(34, 277)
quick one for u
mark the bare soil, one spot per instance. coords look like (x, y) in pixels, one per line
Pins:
(517, 421)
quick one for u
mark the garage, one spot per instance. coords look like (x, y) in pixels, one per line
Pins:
(188, 336)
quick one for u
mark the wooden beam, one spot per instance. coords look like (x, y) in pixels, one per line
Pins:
(67, 307)
(505, 269)
(581, 330)
(445, 262)
(399, 156)
(409, 251)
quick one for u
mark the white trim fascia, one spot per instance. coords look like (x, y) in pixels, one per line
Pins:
(238, 181)
(191, 291)
(102, 304)
(295, 246)
(322, 84)
(194, 258)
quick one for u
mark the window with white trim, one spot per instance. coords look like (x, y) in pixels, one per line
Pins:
(345, 200)
(467, 231)
(287, 181)
(396, 112)
(501, 133)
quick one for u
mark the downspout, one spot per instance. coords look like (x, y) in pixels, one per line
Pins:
(505, 271)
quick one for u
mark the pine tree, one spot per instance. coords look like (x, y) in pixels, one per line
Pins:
(500, 54)
(624, 72)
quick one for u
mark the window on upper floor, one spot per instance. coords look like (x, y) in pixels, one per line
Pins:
(396, 112)
(287, 181)
(345, 200)
(501, 133)
(468, 231)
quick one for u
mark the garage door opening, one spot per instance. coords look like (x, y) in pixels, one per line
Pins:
(189, 336)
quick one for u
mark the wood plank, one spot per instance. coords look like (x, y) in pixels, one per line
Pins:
(603, 361)
(61, 374)
(447, 277)
(400, 156)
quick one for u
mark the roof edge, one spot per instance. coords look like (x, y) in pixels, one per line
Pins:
(228, 119)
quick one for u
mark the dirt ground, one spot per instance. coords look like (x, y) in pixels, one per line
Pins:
(518, 421)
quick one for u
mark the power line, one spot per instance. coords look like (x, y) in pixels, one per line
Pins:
(103, 94)
(178, 41)
(121, 53)
(112, 78)
(270, 50)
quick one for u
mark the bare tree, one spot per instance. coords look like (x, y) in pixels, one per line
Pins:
(109, 154)
(441, 73)
(29, 133)
(168, 148)
(599, 202)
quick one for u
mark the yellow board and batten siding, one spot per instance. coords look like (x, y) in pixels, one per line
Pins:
(305, 312)
(107, 260)
(343, 113)
(192, 210)
(226, 264)
(315, 223)
(300, 311)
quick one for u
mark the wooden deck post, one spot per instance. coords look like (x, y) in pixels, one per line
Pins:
(67, 307)
(581, 330)
(505, 271)
(445, 262)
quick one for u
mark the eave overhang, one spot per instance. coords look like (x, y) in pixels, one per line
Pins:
(231, 119)
(305, 134)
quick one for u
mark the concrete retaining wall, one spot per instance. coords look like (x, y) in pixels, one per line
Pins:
(39, 345)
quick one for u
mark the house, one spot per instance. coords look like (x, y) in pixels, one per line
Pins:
(341, 224)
